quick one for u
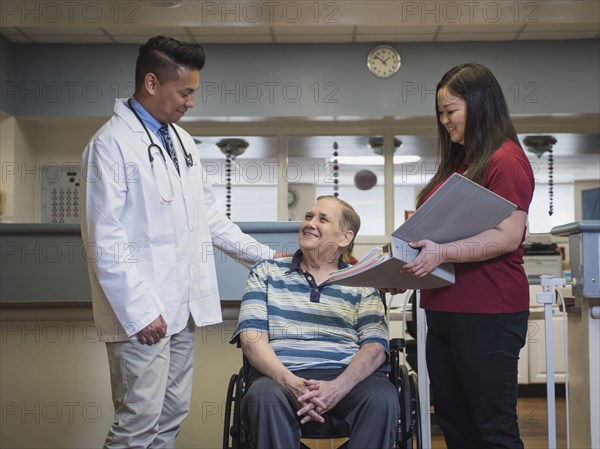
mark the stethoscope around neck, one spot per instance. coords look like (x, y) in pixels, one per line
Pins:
(169, 196)
(189, 161)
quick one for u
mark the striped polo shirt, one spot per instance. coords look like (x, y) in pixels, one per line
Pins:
(309, 326)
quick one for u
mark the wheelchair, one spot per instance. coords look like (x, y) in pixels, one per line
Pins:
(408, 435)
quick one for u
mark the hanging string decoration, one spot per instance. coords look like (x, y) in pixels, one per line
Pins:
(539, 145)
(231, 148)
(551, 181)
(228, 160)
(336, 169)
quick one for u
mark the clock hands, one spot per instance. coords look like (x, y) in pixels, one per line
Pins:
(382, 60)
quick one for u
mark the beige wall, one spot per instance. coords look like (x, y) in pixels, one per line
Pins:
(27, 145)
(7, 157)
(55, 390)
(306, 197)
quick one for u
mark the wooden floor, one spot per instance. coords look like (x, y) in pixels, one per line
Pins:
(533, 423)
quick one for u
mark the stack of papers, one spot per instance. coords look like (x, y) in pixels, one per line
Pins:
(380, 268)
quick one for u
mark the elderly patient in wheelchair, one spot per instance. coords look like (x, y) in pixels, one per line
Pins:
(318, 351)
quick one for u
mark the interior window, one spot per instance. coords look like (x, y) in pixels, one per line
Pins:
(357, 176)
(243, 173)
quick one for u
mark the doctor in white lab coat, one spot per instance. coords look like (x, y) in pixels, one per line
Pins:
(149, 229)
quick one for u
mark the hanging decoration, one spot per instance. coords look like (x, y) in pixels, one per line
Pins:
(365, 179)
(539, 145)
(336, 168)
(550, 181)
(231, 148)
(376, 144)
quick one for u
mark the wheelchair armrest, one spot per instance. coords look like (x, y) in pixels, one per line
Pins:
(397, 344)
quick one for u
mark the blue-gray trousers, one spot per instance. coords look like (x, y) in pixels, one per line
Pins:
(368, 415)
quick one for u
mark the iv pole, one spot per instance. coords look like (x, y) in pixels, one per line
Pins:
(546, 297)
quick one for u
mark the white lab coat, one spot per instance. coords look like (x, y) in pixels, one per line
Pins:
(147, 257)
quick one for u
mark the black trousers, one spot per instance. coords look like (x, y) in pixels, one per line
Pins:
(368, 415)
(472, 362)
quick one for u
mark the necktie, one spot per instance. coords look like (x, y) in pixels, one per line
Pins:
(164, 132)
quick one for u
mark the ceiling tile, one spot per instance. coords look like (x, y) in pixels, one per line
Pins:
(468, 37)
(71, 39)
(372, 21)
(487, 28)
(131, 39)
(561, 27)
(145, 31)
(394, 37)
(63, 31)
(557, 36)
(400, 29)
(319, 30)
(241, 31)
(313, 39)
(210, 39)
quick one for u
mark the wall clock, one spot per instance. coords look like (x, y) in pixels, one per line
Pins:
(384, 61)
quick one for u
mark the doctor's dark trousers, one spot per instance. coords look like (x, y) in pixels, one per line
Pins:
(368, 415)
(472, 361)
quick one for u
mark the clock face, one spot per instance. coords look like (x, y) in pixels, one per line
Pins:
(383, 61)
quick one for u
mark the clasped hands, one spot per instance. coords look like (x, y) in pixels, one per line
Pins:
(314, 398)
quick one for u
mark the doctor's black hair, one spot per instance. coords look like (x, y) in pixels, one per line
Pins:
(163, 56)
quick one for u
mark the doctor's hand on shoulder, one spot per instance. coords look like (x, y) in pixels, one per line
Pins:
(280, 254)
(152, 333)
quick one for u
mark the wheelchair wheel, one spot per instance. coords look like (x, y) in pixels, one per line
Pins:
(235, 436)
(417, 429)
(406, 409)
(229, 402)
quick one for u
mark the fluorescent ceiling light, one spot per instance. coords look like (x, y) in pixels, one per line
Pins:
(373, 160)
(165, 3)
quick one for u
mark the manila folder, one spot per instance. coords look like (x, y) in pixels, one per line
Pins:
(459, 209)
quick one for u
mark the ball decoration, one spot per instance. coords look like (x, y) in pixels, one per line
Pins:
(365, 179)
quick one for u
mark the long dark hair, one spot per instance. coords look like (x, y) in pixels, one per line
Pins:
(487, 125)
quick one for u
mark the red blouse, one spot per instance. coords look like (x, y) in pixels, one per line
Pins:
(497, 285)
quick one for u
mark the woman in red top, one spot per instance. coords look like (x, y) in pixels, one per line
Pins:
(477, 326)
